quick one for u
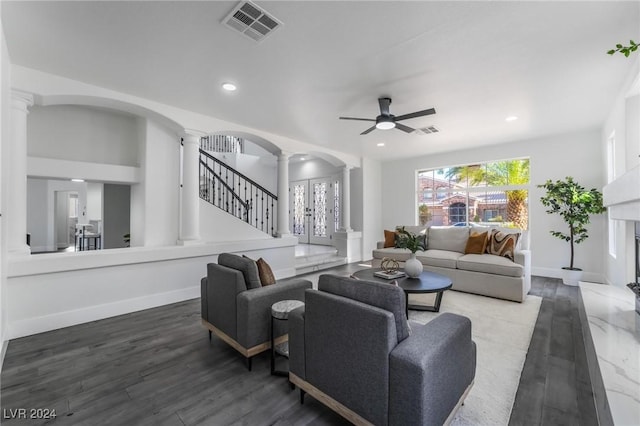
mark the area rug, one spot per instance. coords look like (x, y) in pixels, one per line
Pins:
(502, 331)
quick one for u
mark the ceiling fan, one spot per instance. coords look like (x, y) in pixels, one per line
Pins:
(386, 121)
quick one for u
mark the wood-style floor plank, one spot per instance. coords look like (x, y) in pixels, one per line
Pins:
(157, 367)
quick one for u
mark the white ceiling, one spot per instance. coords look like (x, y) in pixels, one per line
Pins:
(475, 62)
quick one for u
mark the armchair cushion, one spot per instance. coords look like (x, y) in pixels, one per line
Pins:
(245, 265)
(388, 297)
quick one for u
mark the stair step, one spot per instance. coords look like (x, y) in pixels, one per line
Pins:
(318, 263)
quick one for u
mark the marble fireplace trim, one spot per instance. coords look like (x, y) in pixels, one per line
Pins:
(614, 326)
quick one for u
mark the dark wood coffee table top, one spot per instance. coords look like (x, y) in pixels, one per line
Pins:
(427, 282)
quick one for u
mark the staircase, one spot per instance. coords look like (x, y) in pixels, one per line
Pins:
(235, 193)
(312, 258)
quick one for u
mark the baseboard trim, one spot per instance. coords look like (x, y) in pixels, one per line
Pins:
(592, 277)
(27, 327)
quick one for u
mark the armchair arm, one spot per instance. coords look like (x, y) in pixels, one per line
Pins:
(430, 371)
(296, 342)
(222, 286)
(523, 257)
(254, 308)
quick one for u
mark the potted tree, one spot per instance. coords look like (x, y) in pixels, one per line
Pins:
(574, 204)
(412, 266)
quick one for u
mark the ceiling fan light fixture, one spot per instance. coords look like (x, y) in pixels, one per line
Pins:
(385, 123)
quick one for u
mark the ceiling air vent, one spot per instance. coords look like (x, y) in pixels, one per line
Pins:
(251, 21)
(427, 130)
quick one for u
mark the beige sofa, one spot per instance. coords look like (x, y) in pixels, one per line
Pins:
(484, 274)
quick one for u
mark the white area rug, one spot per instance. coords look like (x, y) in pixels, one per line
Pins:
(502, 331)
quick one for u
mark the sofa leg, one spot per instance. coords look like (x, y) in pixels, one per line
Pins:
(302, 393)
(209, 335)
(249, 363)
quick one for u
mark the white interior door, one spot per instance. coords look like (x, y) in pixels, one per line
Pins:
(313, 210)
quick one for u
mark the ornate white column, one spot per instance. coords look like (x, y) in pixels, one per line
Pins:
(345, 203)
(190, 207)
(283, 194)
(17, 165)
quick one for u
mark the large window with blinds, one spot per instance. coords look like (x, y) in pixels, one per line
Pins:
(490, 193)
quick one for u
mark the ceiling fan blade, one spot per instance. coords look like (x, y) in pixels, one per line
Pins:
(369, 130)
(354, 118)
(416, 114)
(384, 105)
(404, 128)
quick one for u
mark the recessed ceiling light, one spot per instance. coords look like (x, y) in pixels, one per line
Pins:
(301, 158)
(230, 87)
(77, 180)
(380, 144)
(511, 118)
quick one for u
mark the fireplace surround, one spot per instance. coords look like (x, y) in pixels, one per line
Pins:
(635, 286)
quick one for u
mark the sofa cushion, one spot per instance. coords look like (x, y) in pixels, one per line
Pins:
(382, 295)
(490, 264)
(441, 258)
(477, 243)
(401, 255)
(451, 238)
(245, 265)
(502, 243)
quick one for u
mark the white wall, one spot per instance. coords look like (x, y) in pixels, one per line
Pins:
(94, 201)
(4, 141)
(369, 205)
(37, 220)
(217, 225)
(623, 121)
(59, 290)
(155, 203)
(553, 157)
(312, 168)
(81, 133)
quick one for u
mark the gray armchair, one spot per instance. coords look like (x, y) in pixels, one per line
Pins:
(352, 349)
(237, 309)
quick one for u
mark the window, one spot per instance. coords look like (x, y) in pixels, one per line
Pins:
(457, 213)
(611, 175)
(495, 192)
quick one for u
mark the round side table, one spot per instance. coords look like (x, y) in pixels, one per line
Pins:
(280, 312)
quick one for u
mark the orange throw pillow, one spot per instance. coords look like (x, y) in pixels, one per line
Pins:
(477, 243)
(389, 239)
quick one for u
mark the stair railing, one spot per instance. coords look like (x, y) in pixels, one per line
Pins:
(235, 193)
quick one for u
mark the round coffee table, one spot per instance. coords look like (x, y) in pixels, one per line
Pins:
(427, 282)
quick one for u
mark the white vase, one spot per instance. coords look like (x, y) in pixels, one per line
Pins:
(413, 267)
(571, 276)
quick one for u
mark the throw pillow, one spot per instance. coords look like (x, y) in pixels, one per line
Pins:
(243, 264)
(389, 239)
(477, 243)
(265, 273)
(502, 244)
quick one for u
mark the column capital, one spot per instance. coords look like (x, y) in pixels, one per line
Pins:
(348, 167)
(191, 139)
(284, 155)
(21, 100)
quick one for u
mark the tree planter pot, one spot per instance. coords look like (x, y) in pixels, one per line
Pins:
(413, 267)
(571, 276)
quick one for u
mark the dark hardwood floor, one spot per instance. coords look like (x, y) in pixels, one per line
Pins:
(157, 367)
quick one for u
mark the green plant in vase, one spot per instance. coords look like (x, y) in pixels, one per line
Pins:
(574, 204)
(412, 242)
